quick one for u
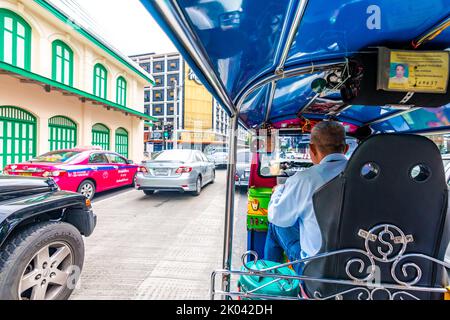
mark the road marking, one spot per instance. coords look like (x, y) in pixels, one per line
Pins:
(113, 196)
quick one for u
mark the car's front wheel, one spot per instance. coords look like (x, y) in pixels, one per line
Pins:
(87, 189)
(42, 262)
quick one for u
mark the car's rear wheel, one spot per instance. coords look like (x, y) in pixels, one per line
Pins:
(149, 192)
(42, 262)
(133, 184)
(213, 179)
(87, 189)
(198, 187)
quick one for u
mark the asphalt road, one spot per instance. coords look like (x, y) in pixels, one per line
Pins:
(163, 246)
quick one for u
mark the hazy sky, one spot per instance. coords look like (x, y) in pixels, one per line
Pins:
(128, 26)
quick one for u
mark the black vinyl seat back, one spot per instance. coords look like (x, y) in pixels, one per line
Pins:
(393, 183)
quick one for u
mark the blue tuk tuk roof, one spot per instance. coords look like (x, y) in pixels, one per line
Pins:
(240, 43)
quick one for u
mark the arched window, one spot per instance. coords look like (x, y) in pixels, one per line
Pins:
(62, 63)
(100, 81)
(100, 136)
(18, 131)
(121, 91)
(15, 40)
(62, 133)
(122, 142)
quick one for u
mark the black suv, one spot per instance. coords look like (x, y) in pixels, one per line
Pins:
(41, 244)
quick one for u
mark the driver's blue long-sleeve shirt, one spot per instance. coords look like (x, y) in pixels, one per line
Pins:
(293, 202)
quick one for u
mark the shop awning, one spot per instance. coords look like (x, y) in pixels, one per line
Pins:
(51, 85)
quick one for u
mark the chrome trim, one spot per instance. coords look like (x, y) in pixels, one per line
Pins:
(180, 28)
(229, 204)
(390, 116)
(338, 113)
(430, 131)
(299, 13)
(431, 33)
(273, 88)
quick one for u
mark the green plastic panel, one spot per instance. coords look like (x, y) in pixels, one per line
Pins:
(258, 204)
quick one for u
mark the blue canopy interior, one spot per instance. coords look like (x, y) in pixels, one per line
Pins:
(244, 40)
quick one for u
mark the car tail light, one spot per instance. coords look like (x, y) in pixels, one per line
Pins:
(236, 178)
(54, 174)
(58, 173)
(143, 169)
(181, 170)
(6, 170)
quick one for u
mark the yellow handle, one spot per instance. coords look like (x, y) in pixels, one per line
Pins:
(447, 294)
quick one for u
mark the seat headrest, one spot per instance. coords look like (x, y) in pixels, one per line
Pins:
(401, 159)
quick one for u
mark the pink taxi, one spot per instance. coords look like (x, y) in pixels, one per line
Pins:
(86, 171)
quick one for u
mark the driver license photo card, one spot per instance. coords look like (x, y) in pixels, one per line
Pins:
(413, 71)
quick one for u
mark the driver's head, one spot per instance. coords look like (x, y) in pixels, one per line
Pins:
(327, 137)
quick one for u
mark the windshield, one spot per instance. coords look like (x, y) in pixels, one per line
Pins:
(244, 157)
(56, 157)
(174, 155)
(291, 155)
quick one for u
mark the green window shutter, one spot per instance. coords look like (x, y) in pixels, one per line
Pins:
(15, 40)
(18, 131)
(121, 91)
(122, 142)
(62, 133)
(100, 81)
(62, 63)
(100, 136)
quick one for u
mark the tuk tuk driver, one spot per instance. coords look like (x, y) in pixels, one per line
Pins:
(293, 228)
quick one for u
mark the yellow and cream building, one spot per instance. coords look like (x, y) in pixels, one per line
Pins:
(61, 86)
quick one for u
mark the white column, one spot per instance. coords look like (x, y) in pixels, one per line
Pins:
(43, 145)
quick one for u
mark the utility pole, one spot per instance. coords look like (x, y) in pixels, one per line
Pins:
(175, 114)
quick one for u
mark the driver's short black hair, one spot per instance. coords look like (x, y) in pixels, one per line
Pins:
(329, 137)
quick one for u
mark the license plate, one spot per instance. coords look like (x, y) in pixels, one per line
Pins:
(161, 172)
(25, 174)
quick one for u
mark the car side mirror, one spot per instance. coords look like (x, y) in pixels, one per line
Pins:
(130, 162)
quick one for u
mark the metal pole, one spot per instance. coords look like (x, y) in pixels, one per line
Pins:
(291, 36)
(175, 113)
(229, 206)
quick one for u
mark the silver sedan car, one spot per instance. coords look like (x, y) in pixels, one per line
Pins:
(176, 170)
(243, 165)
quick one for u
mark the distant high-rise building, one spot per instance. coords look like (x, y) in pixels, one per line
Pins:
(202, 121)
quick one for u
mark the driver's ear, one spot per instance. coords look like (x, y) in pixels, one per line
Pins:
(312, 149)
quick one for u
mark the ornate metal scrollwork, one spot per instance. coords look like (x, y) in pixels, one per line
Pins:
(384, 244)
(386, 251)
